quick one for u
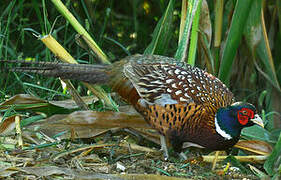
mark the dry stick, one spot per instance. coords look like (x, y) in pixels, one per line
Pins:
(215, 160)
(259, 159)
(76, 97)
(18, 131)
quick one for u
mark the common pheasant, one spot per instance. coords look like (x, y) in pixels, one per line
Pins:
(187, 105)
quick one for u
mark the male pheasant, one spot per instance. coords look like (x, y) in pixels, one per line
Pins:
(185, 104)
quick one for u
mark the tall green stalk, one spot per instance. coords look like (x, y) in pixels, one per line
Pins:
(238, 22)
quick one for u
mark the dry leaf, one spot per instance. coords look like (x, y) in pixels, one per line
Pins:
(205, 21)
(21, 99)
(70, 104)
(28, 99)
(86, 124)
(254, 146)
(7, 126)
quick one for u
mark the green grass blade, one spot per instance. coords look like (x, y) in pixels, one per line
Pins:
(47, 24)
(239, 20)
(35, 4)
(86, 11)
(9, 12)
(43, 88)
(30, 120)
(162, 33)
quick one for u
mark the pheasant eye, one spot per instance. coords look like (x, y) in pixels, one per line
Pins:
(243, 120)
(243, 116)
(247, 112)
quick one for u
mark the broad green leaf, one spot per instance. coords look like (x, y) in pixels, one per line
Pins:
(257, 40)
(272, 164)
(238, 22)
(258, 133)
(162, 33)
(270, 73)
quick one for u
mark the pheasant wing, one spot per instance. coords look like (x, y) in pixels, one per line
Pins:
(162, 80)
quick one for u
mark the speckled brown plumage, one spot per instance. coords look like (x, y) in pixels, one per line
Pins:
(196, 97)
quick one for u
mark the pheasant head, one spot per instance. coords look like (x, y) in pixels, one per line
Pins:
(229, 121)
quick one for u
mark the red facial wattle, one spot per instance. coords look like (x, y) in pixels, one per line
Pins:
(244, 114)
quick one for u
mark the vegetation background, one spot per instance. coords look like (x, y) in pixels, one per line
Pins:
(243, 48)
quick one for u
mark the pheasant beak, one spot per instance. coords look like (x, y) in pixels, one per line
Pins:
(257, 120)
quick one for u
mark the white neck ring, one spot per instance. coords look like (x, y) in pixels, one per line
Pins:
(220, 131)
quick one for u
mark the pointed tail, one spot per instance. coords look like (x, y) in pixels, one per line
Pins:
(94, 74)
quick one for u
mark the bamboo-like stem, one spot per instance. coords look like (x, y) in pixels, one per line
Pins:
(218, 31)
(63, 55)
(194, 36)
(57, 49)
(80, 29)
(183, 18)
(218, 22)
(254, 159)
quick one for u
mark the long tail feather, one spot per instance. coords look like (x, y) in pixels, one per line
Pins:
(94, 74)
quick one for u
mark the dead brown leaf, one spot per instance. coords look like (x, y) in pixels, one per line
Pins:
(255, 146)
(28, 99)
(86, 124)
(7, 126)
(21, 99)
